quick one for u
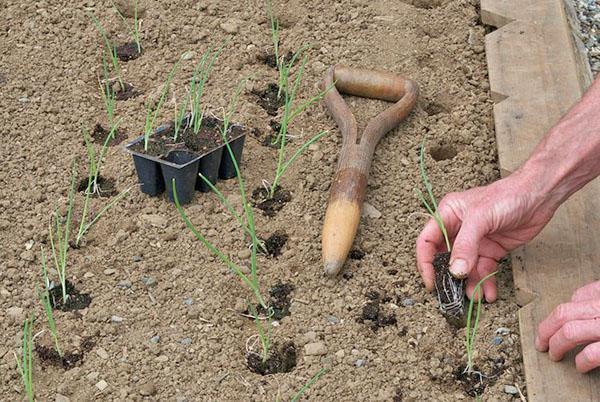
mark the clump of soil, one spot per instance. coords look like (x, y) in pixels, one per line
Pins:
(268, 99)
(282, 359)
(270, 60)
(129, 51)
(356, 254)
(99, 135)
(279, 301)
(270, 206)
(450, 291)
(106, 187)
(127, 91)
(373, 314)
(275, 243)
(75, 299)
(49, 356)
(476, 382)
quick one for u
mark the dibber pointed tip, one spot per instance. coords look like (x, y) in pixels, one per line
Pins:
(332, 268)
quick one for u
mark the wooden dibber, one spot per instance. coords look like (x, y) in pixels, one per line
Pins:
(350, 182)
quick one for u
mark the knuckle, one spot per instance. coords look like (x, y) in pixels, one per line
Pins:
(561, 312)
(570, 331)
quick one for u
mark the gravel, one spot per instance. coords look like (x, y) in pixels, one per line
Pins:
(588, 12)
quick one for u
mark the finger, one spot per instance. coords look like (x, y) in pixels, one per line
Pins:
(472, 281)
(486, 266)
(589, 358)
(562, 314)
(570, 335)
(428, 243)
(587, 292)
(465, 250)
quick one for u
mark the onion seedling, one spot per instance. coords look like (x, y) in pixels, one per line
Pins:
(199, 79)
(92, 186)
(309, 384)
(107, 93)
(45, 299)
(153, 109)
(59, 237)
(471, 330)
(25, 364)
(135, 30)
(179, 117)
(111, 48)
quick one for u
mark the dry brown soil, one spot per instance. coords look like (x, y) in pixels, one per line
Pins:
(141, 264)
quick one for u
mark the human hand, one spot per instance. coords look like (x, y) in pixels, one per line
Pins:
(572, 324)
(484, 224)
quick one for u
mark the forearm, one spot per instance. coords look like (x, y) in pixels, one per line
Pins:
(569, 155)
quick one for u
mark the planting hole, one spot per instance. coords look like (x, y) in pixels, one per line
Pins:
(75, 300)
(129, 51)
(270, 206)
(424, 4)
(275, 243)
(125, 92)
(106, 187)
(279, 301)
(268, 99)
(99, 135)
(443, 152)
(270, 60)
(373, 313)
(281, 359)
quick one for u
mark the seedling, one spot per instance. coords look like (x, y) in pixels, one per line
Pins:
(199, 79)
(111, 49)
(59, 237)
(45, 299)
(471, 330)
(133, 30)
(431, 205)
(153, 109)
(249, 227)
(107, 93)
(179, 117)
(25, 364)
(309, 384)
(94, 164)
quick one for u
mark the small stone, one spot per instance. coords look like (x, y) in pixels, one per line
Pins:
(244, 254)
(15, 314)
(149, 281)
(101, 385)
(502, 331)
(189, 301)
(240, 305)
(408, 302)
(102, 353)
(29, 245)
(510, 389)
(230, 26)
(92, 376)
(333, 319)
(360, 362)
(88, 275)
(162, 359)
(370, 211)
(116, 319)
(136, 258)
(186, 341)
(310, 336)
(190, 54)
(147, 389)
(340, 354)
(124, 284)
(315, 349)
(497, 340)
(155, 339)
(318, 66)
(61, 398)
(110, 271)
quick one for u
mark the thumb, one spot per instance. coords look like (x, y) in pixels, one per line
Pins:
(465, 250)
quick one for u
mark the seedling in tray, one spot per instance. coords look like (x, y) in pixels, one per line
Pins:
(450, 291)
(25, 364)
(199, 79)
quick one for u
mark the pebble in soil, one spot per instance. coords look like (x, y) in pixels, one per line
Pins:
(269, 99)
(129, 51)
(281, 359)
(275, 243)
(99, 135)
(270, 206)
(373, 313)
(75, 299)
(107, 187)
(450, 291)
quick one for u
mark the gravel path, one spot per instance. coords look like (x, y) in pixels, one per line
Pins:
(588, 12)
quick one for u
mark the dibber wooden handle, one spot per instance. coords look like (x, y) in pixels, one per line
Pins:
(350, 182)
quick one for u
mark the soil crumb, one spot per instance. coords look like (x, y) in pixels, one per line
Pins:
(373, 314)
(356, 254)
(450, 291)
(280, 360)
(126, 92)
(270, 206)
(106, 187)
(129, 51)
(268, 99)
(75, 299)
(275, 243)
(99, 135)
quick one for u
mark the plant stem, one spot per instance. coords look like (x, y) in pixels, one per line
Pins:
(309, 384)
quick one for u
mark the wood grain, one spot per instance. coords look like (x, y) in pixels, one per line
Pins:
(536, 75)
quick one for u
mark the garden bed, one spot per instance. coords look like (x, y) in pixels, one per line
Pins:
(168, 319)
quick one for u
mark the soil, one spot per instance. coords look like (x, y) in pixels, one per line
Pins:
(99, 134)
(373, 314)
(126, 91)
(107, 187)
(281, 359)
(270, 206)
(270, 60)
(75, 299)
(450, 291)
(275, 243)
(129, 51)
(269, 99)
(180, 332)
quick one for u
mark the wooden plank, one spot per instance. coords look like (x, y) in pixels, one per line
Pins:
(536, 75)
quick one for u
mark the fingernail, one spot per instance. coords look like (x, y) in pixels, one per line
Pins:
(459, 268)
